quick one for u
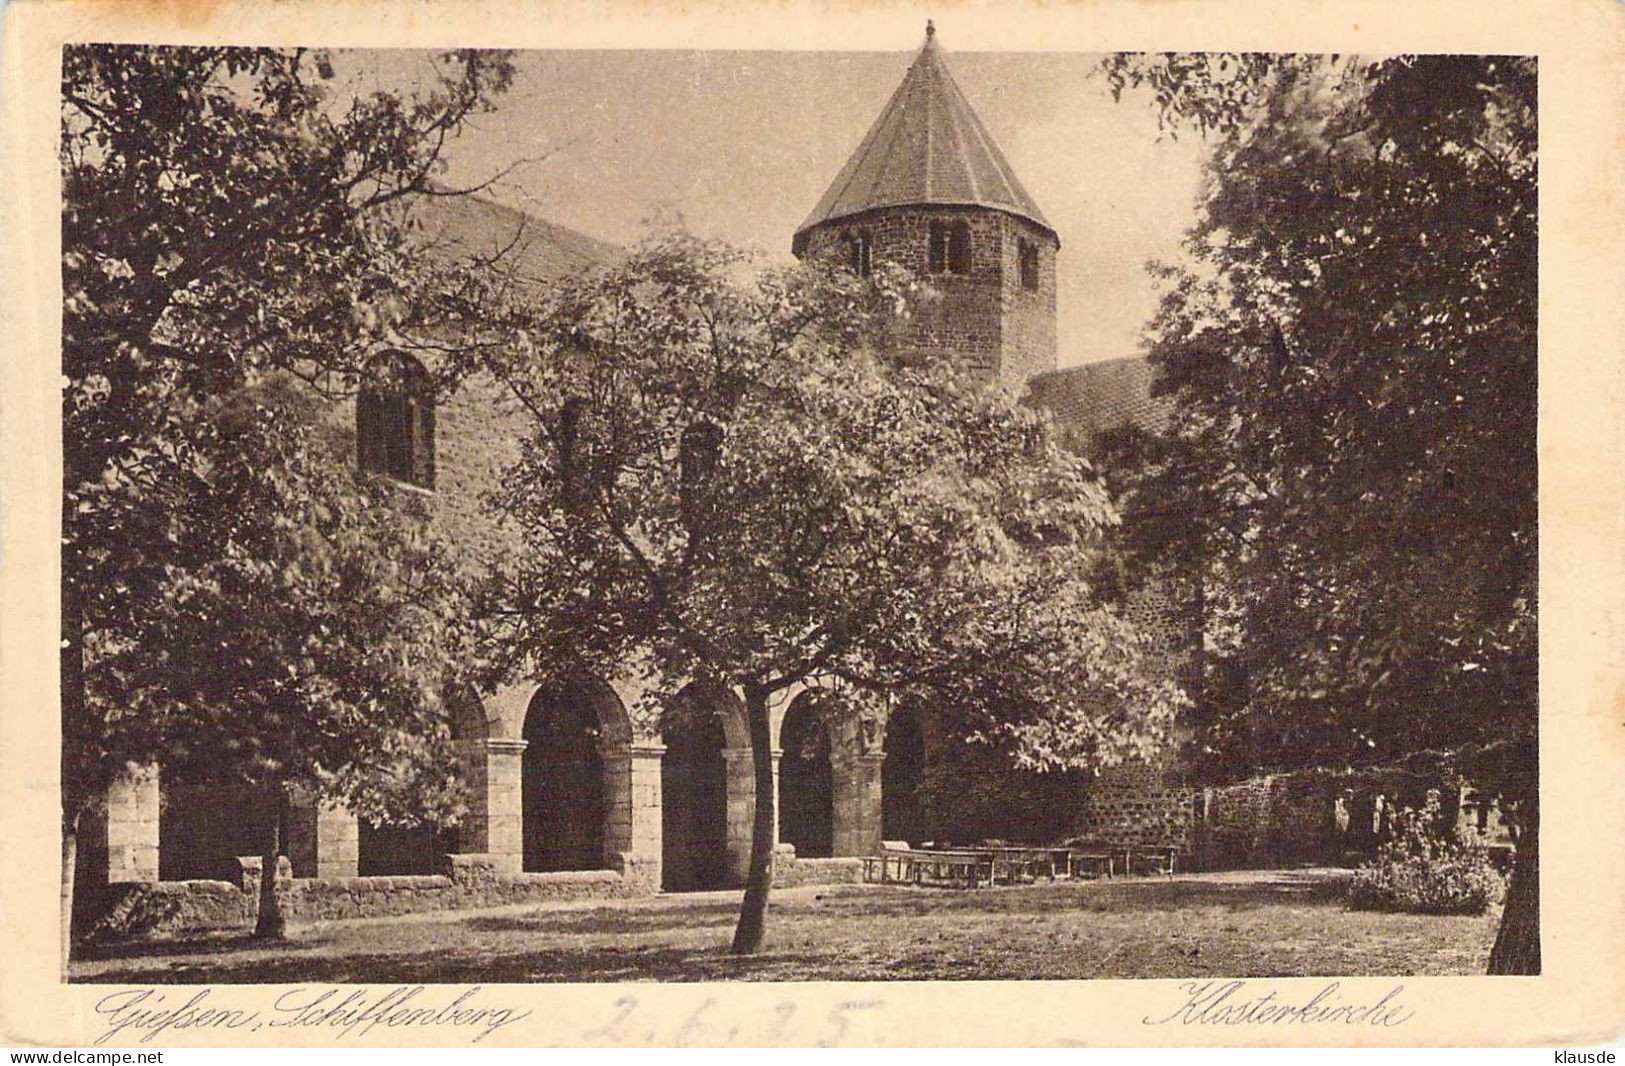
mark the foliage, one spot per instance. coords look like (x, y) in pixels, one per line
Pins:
(297, 626)
(729, 481)
(1350, 344)
(746, 491)
(235, 601)
(1428, 868)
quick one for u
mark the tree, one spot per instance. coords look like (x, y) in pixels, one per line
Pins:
(1350, 344)
(230, 226)
(728, 479)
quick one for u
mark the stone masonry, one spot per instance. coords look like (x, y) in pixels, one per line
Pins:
(983, 320)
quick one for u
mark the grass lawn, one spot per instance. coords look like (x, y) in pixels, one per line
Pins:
(1272, 923)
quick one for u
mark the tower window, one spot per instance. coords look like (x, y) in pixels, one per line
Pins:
(860, 252)
(395, 421)
(949, 252)
(1028, 253)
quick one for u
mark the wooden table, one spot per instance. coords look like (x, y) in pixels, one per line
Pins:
(975, 867)
(1161, 856)
(1093, 863)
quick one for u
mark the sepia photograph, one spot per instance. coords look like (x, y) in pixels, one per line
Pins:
(922, 514)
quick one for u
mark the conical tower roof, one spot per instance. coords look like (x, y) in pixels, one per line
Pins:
(927, 147)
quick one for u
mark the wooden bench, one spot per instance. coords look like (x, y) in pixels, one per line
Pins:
(1096, 859)
(1009, 864)
(1019, 862)
(1090, 863)
(889, 867)
(968, 868)
(1161, 858)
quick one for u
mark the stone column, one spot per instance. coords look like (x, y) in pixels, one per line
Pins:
(338, 842)
(857, 802)
(742, 809)
(132, 825)
(644, 843)
(494, 824)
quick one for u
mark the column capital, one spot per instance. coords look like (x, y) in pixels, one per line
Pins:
(506, 745)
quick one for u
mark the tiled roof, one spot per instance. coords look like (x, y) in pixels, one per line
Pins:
(1089, 399)
(538, 250)
(927, 147)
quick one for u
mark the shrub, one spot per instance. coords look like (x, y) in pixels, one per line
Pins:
(1428, 868)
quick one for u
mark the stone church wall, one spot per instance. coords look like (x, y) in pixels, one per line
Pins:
(1305, 816)
(478, 434)
(982, 320)
(1137, 804)
(1028, 339)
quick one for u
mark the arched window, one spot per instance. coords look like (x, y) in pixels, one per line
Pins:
(950, 247)
(395, 420)
(1029, 264)
(860, 248)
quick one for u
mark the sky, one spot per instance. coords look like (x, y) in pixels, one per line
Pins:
(740, 146)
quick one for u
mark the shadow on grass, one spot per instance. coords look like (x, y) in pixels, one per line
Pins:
(199, 944)
(601, 963)
(1232, 895)
(605, 921)
(567, 944)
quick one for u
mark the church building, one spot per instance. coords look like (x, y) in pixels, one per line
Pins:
(568, 797)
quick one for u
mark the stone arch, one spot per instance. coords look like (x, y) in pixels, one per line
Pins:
(203, 829)
(390, 850)
(806, 776)
(902, 769)
(575, 782)
(703, 728)
(467, 714)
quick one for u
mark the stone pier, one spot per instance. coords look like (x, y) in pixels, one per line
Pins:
(632, 830)
(742, 808)
(132, 826)
(857, 802)
(338, 842)
(494, 824)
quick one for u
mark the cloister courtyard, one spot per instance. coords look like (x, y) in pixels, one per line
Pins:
(1243, 924)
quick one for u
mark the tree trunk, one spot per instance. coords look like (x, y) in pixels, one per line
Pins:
(271, 924)
(752, 927)
(70, 860)
(70, 774)
(1517, 944)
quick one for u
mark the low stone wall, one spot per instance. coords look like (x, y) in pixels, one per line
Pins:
(167, 908)
(816, 872)
(164, 908)
(1313, 815)
(141, 908)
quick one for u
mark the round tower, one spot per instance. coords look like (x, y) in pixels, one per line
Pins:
(928, 189)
